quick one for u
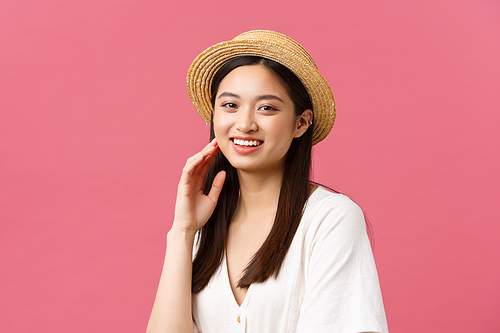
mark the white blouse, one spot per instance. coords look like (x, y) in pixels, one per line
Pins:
(328, 281)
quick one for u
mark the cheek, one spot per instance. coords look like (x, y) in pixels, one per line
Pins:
(217, 126)
(220, 126)
(283, 125)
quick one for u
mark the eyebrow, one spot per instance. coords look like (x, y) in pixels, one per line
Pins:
(228, 94)
(259, 98)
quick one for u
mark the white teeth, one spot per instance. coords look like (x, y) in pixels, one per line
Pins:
(246, 142)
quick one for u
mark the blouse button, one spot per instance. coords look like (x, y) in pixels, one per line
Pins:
(238, 319)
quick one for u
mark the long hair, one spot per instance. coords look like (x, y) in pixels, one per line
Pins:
(212, 239)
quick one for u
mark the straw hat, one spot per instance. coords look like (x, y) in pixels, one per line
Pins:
(267, 44)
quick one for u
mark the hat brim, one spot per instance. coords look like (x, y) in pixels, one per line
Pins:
(204, 67)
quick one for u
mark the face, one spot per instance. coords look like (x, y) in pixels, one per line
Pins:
(254, 119)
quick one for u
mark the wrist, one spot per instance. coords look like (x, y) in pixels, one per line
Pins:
(181, 233)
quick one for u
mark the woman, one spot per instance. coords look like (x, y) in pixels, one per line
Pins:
(275, 252)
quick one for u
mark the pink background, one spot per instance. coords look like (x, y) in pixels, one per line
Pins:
(95, 126)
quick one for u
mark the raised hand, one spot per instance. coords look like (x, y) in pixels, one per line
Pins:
(192, 207)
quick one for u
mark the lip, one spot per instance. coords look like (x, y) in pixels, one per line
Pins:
(245, 150)
(249, 138)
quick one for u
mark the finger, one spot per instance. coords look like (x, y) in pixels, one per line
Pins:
(198, 164)
(208, 149)
(213, 142)
(201, 168)
(196, 159)
(217, 186)
(208, 153)
(191, 163)
(205, 165)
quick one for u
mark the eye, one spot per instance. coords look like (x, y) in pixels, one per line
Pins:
(267, 108)
(229, 105)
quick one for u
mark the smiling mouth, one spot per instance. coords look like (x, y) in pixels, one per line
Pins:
(247, 143)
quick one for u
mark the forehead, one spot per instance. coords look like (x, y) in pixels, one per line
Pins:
(252, 79)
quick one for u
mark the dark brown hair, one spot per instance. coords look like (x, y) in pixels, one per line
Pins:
(212, 239)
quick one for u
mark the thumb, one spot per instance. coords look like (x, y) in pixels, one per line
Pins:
(217, 186)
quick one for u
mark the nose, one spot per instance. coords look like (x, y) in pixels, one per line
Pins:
(246, 120)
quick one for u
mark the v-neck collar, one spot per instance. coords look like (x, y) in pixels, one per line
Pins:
(225, 271)
(229, 290)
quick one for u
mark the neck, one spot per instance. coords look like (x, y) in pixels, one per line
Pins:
(259, 195)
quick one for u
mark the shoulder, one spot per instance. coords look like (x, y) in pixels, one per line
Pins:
(330, 214)
(334, 206)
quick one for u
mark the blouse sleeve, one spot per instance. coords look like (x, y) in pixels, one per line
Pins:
(342, 291)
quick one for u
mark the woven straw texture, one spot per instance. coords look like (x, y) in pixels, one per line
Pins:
(271, 45)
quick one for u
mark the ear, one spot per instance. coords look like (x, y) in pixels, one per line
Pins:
(303, 122)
